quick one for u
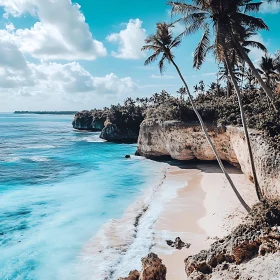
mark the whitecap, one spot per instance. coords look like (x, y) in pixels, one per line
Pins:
(39, 147)
(120, 244)
(93, 139)
(38, 159)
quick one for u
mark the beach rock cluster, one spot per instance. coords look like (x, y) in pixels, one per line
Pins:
(178, 244)
(258, 236)
(152, 269)
(186, 141)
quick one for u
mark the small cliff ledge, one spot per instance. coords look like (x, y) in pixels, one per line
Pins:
(113, 133)
(186, 141)
(89, 120)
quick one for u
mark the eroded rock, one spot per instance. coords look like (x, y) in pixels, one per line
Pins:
(152, 269)
(257, 237)
(186, 141)
(178, 243)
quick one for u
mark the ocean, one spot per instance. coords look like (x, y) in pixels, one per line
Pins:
(60, 190)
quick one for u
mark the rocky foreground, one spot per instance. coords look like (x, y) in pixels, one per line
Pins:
(250, 252)
(171, 129)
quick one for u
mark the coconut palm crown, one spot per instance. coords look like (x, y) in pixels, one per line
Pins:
(227, 22)
(161, 44)
(229, 18)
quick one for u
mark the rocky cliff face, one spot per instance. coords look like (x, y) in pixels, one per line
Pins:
(113, 133)
(86, 120)
(186, 141)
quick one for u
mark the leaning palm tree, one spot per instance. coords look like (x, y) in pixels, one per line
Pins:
(230, 19)
(231, 32)
(162, 44)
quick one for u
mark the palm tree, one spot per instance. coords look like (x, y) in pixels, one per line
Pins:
(230, 21)
(269, 70)
(232, 27)
(224, 76)
(162, 44)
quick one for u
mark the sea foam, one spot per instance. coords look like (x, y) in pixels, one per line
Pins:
(120, 244)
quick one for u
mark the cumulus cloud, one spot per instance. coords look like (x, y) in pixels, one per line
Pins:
(60, 33)
(51, 78)
(255, 53)
(130, 40)
(270, 7)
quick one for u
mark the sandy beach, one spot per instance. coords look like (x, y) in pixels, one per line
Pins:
(192, 201)
(204, 209)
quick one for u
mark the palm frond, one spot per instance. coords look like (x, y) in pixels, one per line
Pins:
(182, 8)
(253, 22)
(161, 64)
(152, 58)
(254, 44)
(201, 49)
(252, 7)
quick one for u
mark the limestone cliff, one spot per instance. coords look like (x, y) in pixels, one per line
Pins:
(113, 133)
(186, 141)
(89, 120)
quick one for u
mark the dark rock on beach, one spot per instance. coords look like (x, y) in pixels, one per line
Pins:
(178, 243)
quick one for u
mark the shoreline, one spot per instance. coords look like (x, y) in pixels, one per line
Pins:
(184, 203)
(205, 209)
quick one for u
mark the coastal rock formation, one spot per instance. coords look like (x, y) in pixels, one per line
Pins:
(152, 269)
(186, 141)
(113, 133)
(259, 236)
(89, 120)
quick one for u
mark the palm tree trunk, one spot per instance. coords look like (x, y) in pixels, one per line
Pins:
(244, 204)
(257, 186)
(256, 73)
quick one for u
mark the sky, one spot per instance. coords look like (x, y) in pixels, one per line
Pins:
(85, 54)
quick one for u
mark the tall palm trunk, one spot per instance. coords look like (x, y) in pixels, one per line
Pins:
(209, 140)
(257, 187)
(256, 73)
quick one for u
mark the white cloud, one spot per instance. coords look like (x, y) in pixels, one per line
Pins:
(255, 53)
(270, 8)
(41, 81)
(60, 33)
(162, 77)
(130, 40)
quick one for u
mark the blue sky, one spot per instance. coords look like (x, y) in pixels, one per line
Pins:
(63, 55)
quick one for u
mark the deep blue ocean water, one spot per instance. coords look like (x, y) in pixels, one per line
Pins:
(58, 186)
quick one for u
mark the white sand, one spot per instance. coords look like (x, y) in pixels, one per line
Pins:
(206, 208)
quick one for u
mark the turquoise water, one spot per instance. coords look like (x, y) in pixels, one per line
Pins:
(57, 188)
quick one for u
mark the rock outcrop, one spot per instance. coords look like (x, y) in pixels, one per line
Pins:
(259, 236)
(113, 133)
(186, 141)
(88, 120)
(152, 269)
